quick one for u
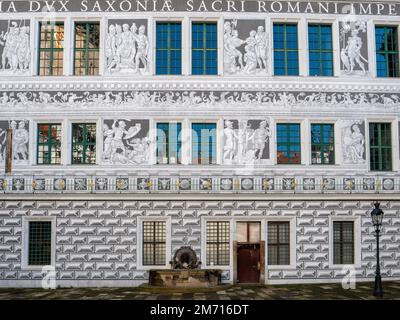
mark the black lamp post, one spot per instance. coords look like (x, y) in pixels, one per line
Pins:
(377, 215)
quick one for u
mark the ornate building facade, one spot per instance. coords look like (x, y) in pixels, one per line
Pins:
(259, 133)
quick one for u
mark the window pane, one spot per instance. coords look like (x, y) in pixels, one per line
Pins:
(278, 243)
(83, 143)
(218, 237)
(380, 146)
(39, 243)
(168, 48)
(154, 243)
(204, 48)
(387, 51)
(286, 61)
(343, 242)
(86, 47)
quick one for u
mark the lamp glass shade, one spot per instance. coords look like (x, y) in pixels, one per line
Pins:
(377, 215)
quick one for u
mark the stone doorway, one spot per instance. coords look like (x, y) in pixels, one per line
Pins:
(249, 253)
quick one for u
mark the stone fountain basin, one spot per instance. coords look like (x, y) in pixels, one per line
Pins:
(187, 278)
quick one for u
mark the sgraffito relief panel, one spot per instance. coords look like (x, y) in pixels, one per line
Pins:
(20, 141)
(246, 141)
(245, 47)
(353, 47)
(353, 142)
(127, 47)
(15, 48)
(126, 141)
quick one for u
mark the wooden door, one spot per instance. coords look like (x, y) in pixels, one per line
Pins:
(248, 263)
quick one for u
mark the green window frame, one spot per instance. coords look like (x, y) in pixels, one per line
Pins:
(343, 242)
(387, 51)
(83, 143)
(322, 143)
(204, 48)
(279, 243)
(288, 143)
(48, 144)
(154, 243)
(320, 50)
(39, 247)
(217, 243)
(86, 48)
(380, 146)
(168, 48)
(51, 49)
(286, 49)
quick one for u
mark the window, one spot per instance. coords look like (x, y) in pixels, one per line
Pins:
(278, 243)
(249, 232)
(83, 143)
(322, 144)
(288, 143)
(218, 243)
(380, 142)
(169, 48)
(154, 242)
(169, 143)
(320, 50)
(51, 49)
(204, 48)
(39, 252)
(286, 52)
(343, 242)
(49, 144)
(86, 48)
(387, 51)
(204, 143)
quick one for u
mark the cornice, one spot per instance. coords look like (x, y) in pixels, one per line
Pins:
(206, 84)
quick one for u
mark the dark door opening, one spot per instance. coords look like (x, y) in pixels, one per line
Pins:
(248, 252)
(248, 263)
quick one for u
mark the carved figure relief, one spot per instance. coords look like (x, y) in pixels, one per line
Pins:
(248, 55)
(126, 141)
(127, 48)
(247, 143)
(15, 47)
(353, 142)
(19, 142)
(351, 53)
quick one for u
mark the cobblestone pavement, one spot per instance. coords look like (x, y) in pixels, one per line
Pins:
(276, 292)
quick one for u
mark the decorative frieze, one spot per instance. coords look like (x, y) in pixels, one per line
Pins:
(202, 184)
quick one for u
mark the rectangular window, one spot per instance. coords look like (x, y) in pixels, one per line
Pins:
(169, 143)
(49, 144)
(218, 243)
(288, 143)
(286, 52)
(320, 50)
(343, 242)
(204, 48)
(380, 146)
(51, 49)
(204, 149)
(83, 143)
(248, 232)
(278, 243)
(387, 51)
(39, 253)
(86, 48)
(322, 144)
(154, 242)
(168, 48)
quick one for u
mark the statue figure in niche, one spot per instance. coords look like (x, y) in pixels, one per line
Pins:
(244, 145)
(254, 59)
(20, 140)
(119, 147)
(16, 53)
(353, 144)
(127, 48)
(350, 54)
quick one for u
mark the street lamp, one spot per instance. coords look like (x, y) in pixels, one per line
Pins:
(377, 216)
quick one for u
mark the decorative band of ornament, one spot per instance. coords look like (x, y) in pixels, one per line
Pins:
(195, 184)
(184, 99)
